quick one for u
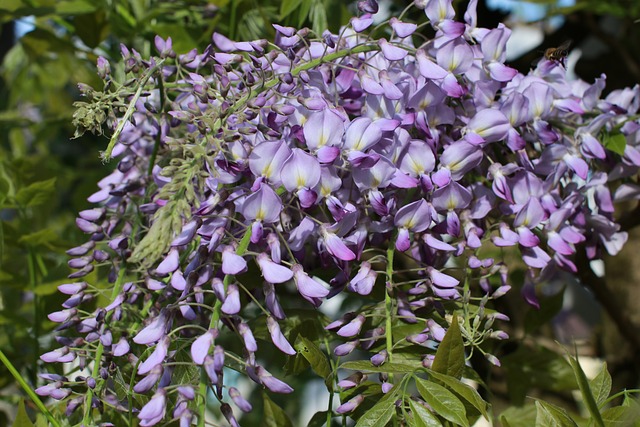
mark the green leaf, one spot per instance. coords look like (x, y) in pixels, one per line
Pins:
(601, 385)
(518, 416)
(549, 307)
(316, 358)
(585, 391)
(621, 416)
(380, 414)
(273, 415)
(39, 238)
(76, 7)
(359, 365)
(318, 17)
(288, 6)
(92, 28)
(319, 419)
(11, 5)
(422, 416)
(41, 421)
(303, 12)
(465, 391)
(531, 366)
(22, 419)
(449, 359)
(548, 415)
(36, 193)
(615, 142)
(49, 288)
(443, 402)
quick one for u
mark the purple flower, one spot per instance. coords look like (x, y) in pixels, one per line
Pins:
(155, 358)
(301, 171)
(352, 380)
(352, 328)
(271, 382)
(346, 348)
(278, 338)
(247, 336)
(272, 272)
(240, 401)
(323, 128)
(231, 304)
(200, 347)
(155, 330)
(350, 405)
(150, 380)
(153, 412)
(263, 206)
(309, 288)
(232, 263)
(415, 217)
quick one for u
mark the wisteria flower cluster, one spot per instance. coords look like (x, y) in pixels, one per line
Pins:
(256, 179)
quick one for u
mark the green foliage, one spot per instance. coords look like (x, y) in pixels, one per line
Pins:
(449, 358)
(549, 307)
(443, 402)
(549, 415)
(538, 367)
(22, 419)
(382, 412)
(274, 416)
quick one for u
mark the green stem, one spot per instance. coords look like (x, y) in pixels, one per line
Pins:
(33, 281)
(106, 155)
(86, 419)
(388, 302)
(32, 395)
(232, 20)
(240, 103)
(333, 374)
(215, 317)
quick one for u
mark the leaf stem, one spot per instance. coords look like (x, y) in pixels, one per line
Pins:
(86, 419)
(388, 301)
(32, 395)
(215, 317)
(106, 155)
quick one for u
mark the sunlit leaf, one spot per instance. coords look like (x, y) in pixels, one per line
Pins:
(621, 416)
(380, 414)
(422, 417)
(465, 391)
(444, 403)
(585, 391)
(549, 415)
(601, 385)
(449, 359)
(615, 142)
(366, 366)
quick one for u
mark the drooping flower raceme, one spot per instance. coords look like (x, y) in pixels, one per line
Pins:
(251, 171)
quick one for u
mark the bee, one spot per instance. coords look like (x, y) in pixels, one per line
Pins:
(558, 54)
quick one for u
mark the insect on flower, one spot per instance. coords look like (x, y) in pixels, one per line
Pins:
(558, 54)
